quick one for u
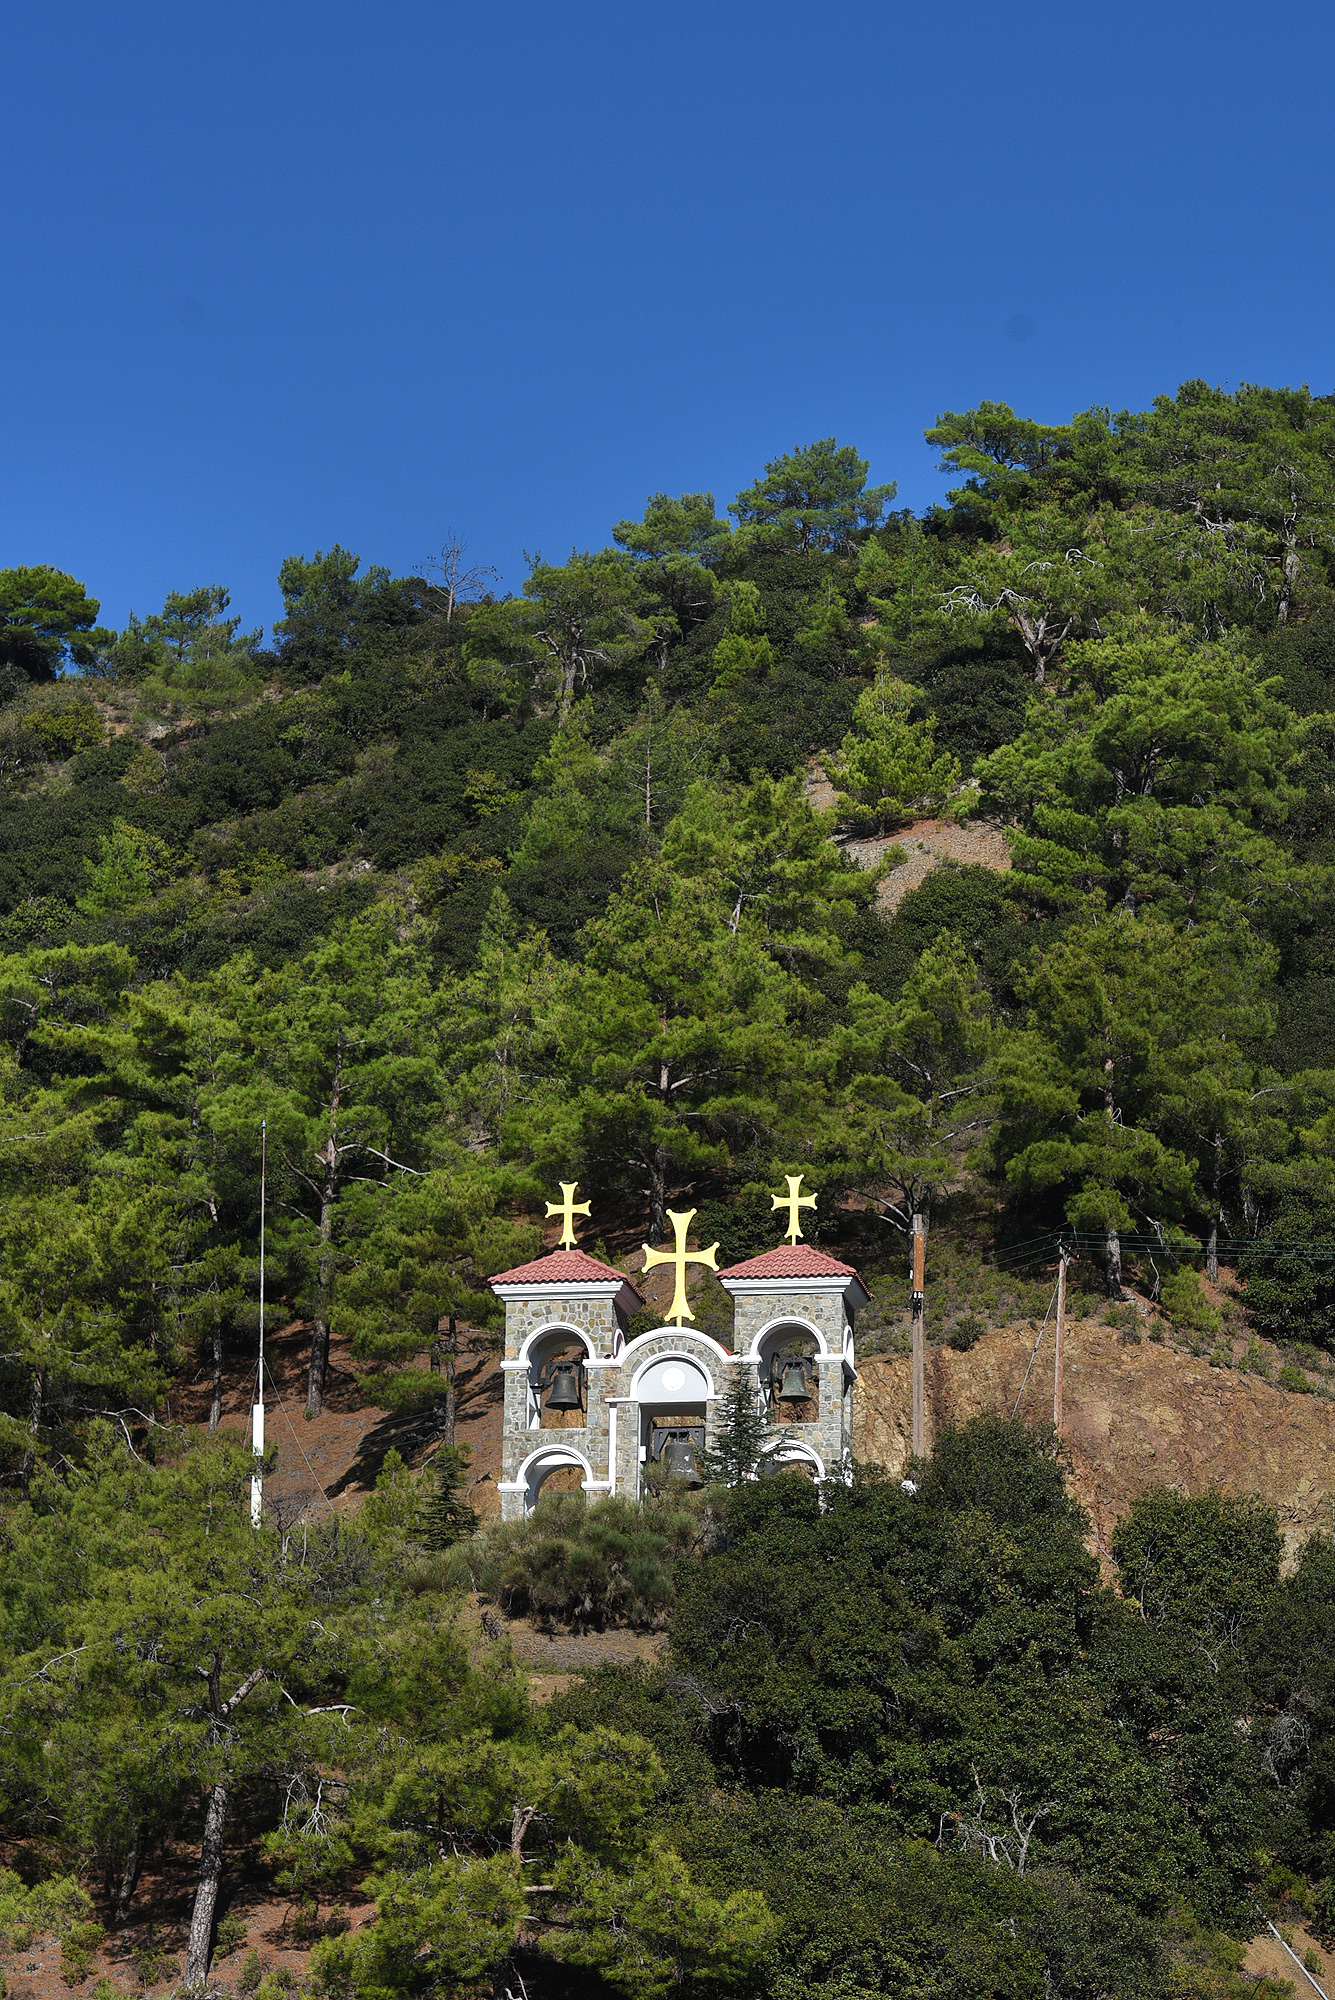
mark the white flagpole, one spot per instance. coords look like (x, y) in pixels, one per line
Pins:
(257, 1408)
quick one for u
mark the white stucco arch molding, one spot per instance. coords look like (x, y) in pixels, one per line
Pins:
(540, 1334)
(684, 1344)
(789, 1322)
(534, 1469)
(791, 1450)
(674, 1376)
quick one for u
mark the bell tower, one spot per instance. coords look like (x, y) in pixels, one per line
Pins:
(565, 1325)
(794, 1310)
(590, 1409)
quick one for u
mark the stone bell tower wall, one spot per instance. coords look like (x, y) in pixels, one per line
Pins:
(791, 1295)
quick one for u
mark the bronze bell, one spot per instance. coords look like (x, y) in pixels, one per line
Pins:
(792, 1381)
(564, 1393)
(679, 1461)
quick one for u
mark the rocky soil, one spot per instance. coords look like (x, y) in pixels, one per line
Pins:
(1137, 1414)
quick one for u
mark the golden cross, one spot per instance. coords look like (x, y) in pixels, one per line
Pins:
(568, 1209)
(679, 1257)
(793, 1201)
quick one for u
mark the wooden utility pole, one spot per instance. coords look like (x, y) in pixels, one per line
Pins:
(918, 1242)
(257, 1407)
(1060, 1357)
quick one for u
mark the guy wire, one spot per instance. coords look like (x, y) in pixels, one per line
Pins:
(1037, 1344)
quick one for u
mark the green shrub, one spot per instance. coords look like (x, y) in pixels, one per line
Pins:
(151, 1959)
(583, 1565)
(1186, 1304)
(231, 1936)
(1294, 1380)
(277, 1984)
(1323, 1900)
(308, 1926)
(63, 730)
(966, 1332)
(1255, 1361)
(77, 1949)
(887, 769)
(252, 1972)
(54, 1906)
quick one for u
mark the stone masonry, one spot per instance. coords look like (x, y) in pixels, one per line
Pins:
(569, 1305)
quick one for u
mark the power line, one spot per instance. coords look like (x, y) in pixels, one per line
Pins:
(1041, 1249)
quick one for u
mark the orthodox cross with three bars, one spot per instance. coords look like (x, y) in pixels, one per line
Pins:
(679, 1257)
(793, 1202)
(567, 1208)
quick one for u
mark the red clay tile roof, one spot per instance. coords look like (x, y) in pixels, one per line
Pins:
(790, 1260)
(562, 1267)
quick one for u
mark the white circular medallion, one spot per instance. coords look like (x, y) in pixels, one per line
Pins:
(673, 1379)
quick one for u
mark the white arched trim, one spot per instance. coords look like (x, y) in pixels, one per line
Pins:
(561, 1326)
(792, 1449)
(688, 1337)
(785, 1320)
(678, 1353)
(548, 1458)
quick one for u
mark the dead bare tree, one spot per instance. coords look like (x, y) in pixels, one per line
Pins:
(456, 582)
(1007, 1846)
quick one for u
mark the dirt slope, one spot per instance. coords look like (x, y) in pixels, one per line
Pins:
(1137, 1414)
(334, 1460)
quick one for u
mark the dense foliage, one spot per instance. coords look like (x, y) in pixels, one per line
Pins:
(902, 1742)
(462, 894)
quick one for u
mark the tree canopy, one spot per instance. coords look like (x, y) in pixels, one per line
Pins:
(630, 874)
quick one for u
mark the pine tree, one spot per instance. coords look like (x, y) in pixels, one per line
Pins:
(1162, 776)
(887, 768)
(742, 1439)
(445, 1518)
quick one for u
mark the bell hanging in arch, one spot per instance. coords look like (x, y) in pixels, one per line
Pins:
(679, 1461)
(564, 1393)
(792, 1380)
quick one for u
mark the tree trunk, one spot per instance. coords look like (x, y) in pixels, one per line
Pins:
(324, 1269)
(35, 1405)
(1212, 1249)
(129, 1881)
(199, 1949)
(451, 1364)
(1112, 1238)
(215, 1405)
(1289, 572)
(1059, 1350)
(918, 1320)
(658, 1194)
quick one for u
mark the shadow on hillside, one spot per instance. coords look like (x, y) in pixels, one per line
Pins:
(480, 1391)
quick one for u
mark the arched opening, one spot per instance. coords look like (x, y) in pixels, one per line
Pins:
(561, 1479)
(673, 1396)
(553, 1471)
(795, 1461)
(558, 1382)
(789, 1374)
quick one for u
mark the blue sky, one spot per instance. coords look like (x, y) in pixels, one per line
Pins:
(287, 274)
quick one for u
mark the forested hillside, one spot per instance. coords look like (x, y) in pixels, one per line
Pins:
(463, 894)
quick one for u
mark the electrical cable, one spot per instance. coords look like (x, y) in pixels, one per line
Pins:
(297, 1439)
(1037, 1344)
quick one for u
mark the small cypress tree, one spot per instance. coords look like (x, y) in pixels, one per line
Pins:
(742, 1438)
(445, 1517)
